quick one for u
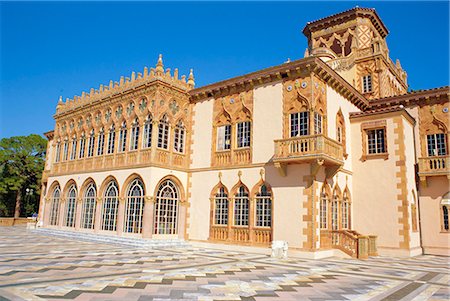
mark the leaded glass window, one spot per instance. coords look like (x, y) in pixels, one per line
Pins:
(179, 134)
(243, 134)
(54, 209)
(241, 207)
(66, 150)
(123, 137)
(91, 144)
(82, 145)
(221, 207)
(299, 124)
(101, 142)
(317, 123)
(224, 137)
(134, 135)
(375, 141)
(58, 152)
(110, 207)
(111, 139)
(436, 145)
(367, 83)
(134, 207)
(163, 133)
(71, 207)
(166, 208)
(89, 205)
(148, 128)
(263, 208)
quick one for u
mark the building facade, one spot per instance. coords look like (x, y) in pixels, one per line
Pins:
(329, 152)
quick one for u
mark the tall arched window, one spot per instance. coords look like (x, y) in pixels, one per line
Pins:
(340, 130)
(345, 209)
(71, 207)
(324, 209)
(101, 142)
(82, 145)
(445, 205)
(73, 152)
(179, 137)
(58, 151)
(445, 217)
(123, 137)
(166, 208)
(66, 149)
(134, 207)
(110, 207)
(134, 135)
(148, 128)
(221, 207)
(263, 207)
(54, 209)
(111, 139)
(163, 132)
(91, 144)
(241, 207)
(89, 204)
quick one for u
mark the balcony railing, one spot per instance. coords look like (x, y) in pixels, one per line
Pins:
(238, 156)
(241, 235)
(308, 148)
(438, 165)
(125, 159)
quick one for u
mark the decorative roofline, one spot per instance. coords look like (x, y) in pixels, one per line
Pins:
(49, 135)
(125, 84)
(411, 98)
(276, 73)
(348, 14)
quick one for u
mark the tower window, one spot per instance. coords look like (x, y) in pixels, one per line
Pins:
(367, 83)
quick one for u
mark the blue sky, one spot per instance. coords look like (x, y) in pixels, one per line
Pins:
(50, 49)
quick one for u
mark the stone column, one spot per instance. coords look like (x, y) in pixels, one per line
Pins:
(42, 204)
(98, 215)
(154, 138)
(45, 217)
(230, 218)
(61, 213)
(147, 219)
(78, 213)
(121, 216)
(251, 219)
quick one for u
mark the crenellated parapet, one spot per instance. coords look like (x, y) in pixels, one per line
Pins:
(135, 80)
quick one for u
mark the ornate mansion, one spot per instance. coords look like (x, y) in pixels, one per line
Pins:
(330, 153)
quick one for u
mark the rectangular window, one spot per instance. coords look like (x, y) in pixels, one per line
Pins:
(243, 134)
(163, 135)
(111, 141)
(339, 134)
(179, 140)
(317, 123)
(224, 137)
(436, 145)
(91, 146)
(122, 139)
(367, 83)
(58, 152)
(221, 211)
(376, 141)
(101, 143)
(73, 152)
(134, 138)
(263, 212)
(241, 208)
(82, 144)
(147, 141)
(299, 124)
(66, 150)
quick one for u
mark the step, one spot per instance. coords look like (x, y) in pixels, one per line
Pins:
(128, 241)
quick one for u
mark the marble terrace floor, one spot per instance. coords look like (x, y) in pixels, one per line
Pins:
(38, 267)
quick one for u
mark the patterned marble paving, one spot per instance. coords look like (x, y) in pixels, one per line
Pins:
(39, 267)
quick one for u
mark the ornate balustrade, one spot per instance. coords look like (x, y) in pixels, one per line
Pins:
(131, 158)
(309, 149)
(433, 166)
(219, 233)
(244, 235)
(238, 156)
(241, 234)
(350, 242)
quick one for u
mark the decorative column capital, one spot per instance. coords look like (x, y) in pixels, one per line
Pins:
(122, 199)
(47, 199)
(148, 199)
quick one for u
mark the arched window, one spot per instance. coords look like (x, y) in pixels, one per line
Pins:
(111, 139)
(166, 208)
(148, 128)
(134, 207)
(445, 217)
(134, 135)
(73, 152)
(110, 207)
(71, 207)
(89, 204)
(163, 133)
(324, 209)
(345, 209)
(241, 207)
(123, 137)
(54, 209)
(82, 145)
(221, 207)
(101, 142)
(263, 207)
(179, 137)
(91, 144)
(340, 129)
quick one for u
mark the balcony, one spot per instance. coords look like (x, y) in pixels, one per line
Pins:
(318, 150)
(129, 159)
(433, 166)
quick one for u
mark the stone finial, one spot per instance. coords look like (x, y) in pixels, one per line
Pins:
(133, 76)
(261, 173)
(175, 74)
(159, 64)
(168, 72)
(220, 176)
(191, 81)
(60, 100)
(145, 72)
(239, 175)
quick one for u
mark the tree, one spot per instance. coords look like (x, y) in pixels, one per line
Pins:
(21, 165)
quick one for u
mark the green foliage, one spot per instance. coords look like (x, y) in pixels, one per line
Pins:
(21, 165)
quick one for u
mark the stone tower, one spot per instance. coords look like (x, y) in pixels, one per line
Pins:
(353, 43)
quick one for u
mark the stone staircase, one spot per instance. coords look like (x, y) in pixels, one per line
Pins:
(127, 241)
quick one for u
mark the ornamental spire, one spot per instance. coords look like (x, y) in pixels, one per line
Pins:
(159, 65)
(191, 81)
